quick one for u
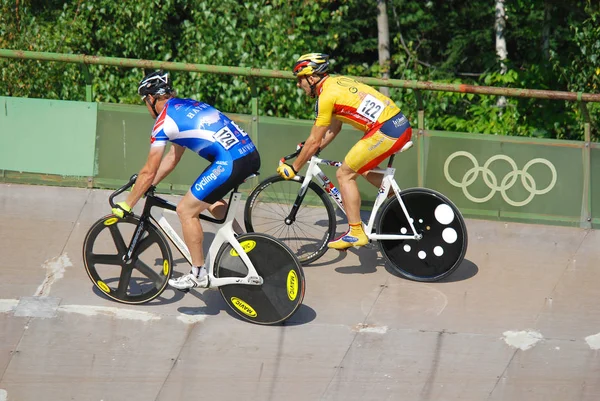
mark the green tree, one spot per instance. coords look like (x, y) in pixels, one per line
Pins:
(551, 45)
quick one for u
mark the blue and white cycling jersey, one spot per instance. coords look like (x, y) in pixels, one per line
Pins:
(211, 134)
(201, 128)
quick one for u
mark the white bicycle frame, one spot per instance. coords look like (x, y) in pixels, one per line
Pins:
(224, 234)
(314, 171)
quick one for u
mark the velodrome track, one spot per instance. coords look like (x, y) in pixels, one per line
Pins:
(519, 320)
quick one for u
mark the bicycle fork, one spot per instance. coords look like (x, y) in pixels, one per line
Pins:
(134, 241)
(291, 217)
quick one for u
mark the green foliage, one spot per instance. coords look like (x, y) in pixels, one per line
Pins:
(552, 45)
(463, 47)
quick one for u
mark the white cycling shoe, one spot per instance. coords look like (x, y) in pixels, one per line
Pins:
(189, 281)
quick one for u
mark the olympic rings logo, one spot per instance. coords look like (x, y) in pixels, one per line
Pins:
(492, 182)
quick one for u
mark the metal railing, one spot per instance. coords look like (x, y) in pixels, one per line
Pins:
(418, 86)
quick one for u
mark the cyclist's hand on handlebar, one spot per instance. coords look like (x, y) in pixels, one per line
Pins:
(121, 209)
(286, 171)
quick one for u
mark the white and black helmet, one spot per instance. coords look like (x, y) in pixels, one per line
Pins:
(156, 83)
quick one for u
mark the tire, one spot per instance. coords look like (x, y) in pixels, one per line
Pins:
(443, 245)
(142, 279)
(282, 291)
(271, 202)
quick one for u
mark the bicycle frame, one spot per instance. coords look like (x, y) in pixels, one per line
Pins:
(314, 171)
(224, 234)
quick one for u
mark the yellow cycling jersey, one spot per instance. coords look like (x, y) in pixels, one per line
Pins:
(352, 102)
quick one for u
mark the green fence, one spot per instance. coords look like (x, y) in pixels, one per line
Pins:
(36, 137)
(487, 176)
(509, 178)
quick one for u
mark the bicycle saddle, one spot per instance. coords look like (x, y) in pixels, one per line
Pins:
(251, 175)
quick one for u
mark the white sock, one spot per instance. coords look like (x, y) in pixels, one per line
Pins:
(199, 272)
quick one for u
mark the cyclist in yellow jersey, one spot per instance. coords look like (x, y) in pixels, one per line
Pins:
(344, 100)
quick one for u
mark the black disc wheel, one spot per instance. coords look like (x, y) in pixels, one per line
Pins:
(282, 290)
(139, 280)
(269, 206)
(443, 245)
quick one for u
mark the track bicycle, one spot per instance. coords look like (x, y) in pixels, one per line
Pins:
(259, 277)
(420, 232)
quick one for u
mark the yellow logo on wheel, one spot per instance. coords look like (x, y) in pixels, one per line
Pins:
(102, 285)
(243, 307)
(166, 267)
(292, 285)
(111, 221)
(247, 245)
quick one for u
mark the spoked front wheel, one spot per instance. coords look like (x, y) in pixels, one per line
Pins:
(443, 245)
(143, 277)
(282, 291)
(268, 209)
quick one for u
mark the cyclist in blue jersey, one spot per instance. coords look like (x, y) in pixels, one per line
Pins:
(197, 126)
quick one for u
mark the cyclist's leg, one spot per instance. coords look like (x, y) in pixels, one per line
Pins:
(365, 155)
(374, 178)
(206, 190)
(240, 170)
(379, 145)
(346, 176)
(188, 210)
(218, 210)
(355, 236)
(397, 129)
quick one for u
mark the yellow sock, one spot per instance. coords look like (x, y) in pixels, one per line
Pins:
(356, 228)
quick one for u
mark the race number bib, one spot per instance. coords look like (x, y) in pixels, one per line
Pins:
(225, 137)
(371, 108)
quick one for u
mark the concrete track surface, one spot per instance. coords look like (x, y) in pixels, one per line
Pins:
(519, 320)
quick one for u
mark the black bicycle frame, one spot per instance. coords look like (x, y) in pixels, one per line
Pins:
(155, 201)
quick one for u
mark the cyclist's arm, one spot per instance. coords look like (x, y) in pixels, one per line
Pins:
(334, 128)
(323, 123)
(311, 145)
(168, 162)
(146, 175)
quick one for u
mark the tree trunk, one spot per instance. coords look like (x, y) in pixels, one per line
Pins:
(383, 36)
(499, 25)
(546, 30)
